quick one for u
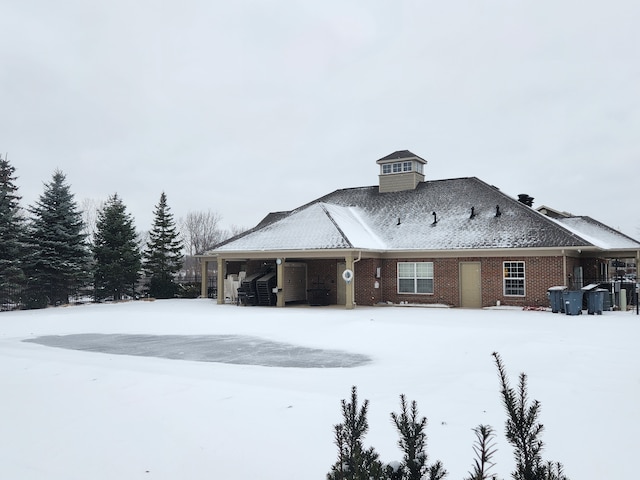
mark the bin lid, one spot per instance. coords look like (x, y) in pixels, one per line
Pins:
(558, 287)
(591, 286)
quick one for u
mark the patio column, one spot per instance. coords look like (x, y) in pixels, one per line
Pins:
(280, 285)
(349, 304)
(203, 278)
(220, 281)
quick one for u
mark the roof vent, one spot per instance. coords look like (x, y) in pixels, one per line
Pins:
(498, 212)
(473, 212)
(435, 218)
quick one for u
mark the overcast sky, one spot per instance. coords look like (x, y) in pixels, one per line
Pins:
(248, 107)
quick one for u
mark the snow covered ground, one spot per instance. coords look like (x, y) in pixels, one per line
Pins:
(68, 414)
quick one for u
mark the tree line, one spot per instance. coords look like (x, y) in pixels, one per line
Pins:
(49, 253)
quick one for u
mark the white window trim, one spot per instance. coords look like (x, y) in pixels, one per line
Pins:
(405, 166)
(415, 277)
(523, 279)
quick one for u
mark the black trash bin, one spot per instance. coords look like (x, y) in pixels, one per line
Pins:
(595, 301)
(572, 302)
(555, 298)
(318, 296)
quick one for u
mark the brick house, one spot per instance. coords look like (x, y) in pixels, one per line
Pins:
(459, 242)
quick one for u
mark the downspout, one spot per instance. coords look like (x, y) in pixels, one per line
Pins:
(564, 269)
(354, 277)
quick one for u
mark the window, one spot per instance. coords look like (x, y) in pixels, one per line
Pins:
(400, 167)
(415, 277)
(514, 279)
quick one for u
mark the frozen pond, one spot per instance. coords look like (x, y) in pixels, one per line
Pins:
(235, 349)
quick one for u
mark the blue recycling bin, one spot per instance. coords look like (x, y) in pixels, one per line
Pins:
(595, 301)
(555, 298)
(572, 302)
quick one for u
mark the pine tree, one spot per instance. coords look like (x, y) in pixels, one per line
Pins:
(484, 449)
(523, 430)
(12, 237)
(163, 254)
(413, 443)
(354, 461)
(117, 258)
(58, 261)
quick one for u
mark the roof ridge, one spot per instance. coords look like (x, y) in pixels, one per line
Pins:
(335, 224)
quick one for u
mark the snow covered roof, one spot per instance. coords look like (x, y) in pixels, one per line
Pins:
(363, 218)
(597, 233)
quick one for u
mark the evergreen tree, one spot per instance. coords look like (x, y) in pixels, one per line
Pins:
(484, 449)
(58, 261)
(117, 258)
(413, 443)
(523, 430)
(354, 461)
(163, 254)
(12, 237)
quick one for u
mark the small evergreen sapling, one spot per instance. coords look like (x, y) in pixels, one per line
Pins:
(484, 449)
(523, 430)
(413, 443)
(354, 462)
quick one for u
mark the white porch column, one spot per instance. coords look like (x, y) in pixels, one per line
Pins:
(280, 284)
(203, 278)
(350, 300)
(220, 281)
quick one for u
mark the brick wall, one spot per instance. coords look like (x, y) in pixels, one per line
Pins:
(365, 281)
(541, 273)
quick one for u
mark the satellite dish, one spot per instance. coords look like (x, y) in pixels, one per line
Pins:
(347, 275)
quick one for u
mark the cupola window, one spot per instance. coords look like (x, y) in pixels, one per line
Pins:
(400, 167)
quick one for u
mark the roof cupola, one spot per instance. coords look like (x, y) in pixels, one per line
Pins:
(399, 171)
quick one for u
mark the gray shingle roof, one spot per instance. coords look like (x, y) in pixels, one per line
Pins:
(598, 233)
(400, 154)
(363, 218)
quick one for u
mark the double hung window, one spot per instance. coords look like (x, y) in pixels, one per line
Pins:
(415, 277)
(514, 277)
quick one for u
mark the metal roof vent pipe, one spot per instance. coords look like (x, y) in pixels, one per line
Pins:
(473, 212)
(399, 222)
(498, 212)
(435, 218)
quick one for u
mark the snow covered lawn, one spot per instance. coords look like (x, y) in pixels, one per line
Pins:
(68, 414)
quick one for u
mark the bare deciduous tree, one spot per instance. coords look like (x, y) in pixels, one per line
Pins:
(201, 231)
(233, 231)
(89, 208)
